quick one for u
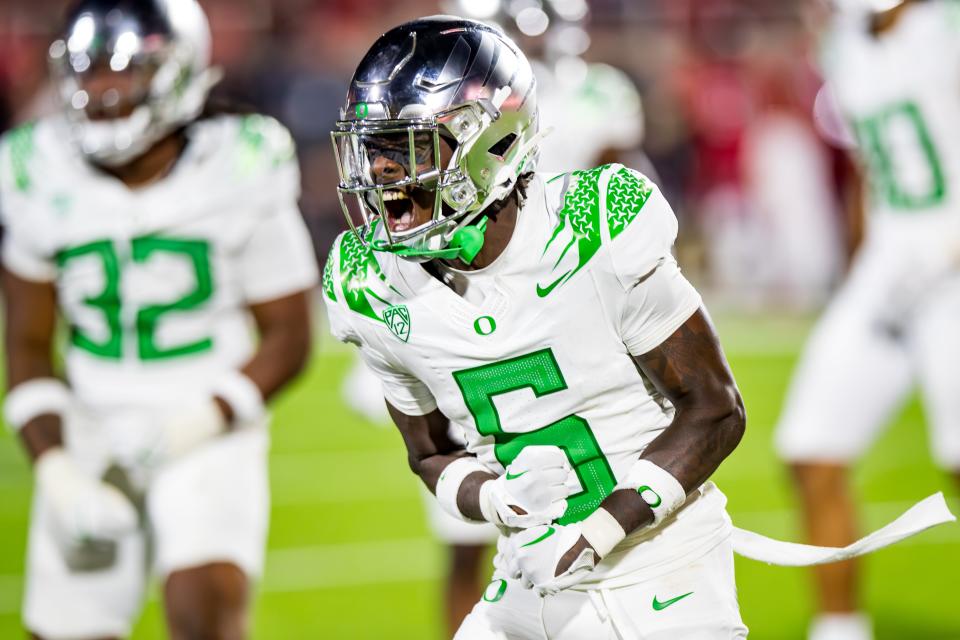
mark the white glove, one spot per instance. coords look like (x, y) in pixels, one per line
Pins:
(536, 553)
(505, 560)
(185, 431)
(538, 482)
(84, 508)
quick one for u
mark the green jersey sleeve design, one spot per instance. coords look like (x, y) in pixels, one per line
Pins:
(578, 228)
(329, 288)
(627, 192)
(360, 276)
(581, 218)
(263, 142)
(21, 150)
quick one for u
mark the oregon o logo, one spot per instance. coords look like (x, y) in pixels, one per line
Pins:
(362, 109)
(493, 595)
(649, 496)
(484, 325)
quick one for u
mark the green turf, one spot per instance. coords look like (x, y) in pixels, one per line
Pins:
(352, 559)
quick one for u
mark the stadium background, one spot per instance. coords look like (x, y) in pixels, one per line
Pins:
(730, 97)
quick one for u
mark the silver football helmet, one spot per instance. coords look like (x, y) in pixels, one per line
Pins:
(129, 72)
(442, 107)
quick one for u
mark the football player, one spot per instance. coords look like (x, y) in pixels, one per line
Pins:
(892, 68)
(574, 99)
(546, 318)
(168, 241)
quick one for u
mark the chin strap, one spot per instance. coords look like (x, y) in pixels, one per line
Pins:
(465, 244)
(468, 240)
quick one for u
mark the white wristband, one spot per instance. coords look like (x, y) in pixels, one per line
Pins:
(659, 489)
(33, 398)
(448, 486)
(243, 396)
(602, 531)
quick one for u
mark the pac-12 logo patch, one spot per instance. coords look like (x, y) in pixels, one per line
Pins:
(397, 318)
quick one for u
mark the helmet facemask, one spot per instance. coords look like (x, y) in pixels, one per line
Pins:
(444, 170)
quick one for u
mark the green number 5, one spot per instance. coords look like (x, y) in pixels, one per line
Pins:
(108, 302)
(539, 372)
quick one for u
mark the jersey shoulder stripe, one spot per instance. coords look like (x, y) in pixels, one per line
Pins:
(596, 206)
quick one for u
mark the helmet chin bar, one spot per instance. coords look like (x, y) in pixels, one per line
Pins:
(445, 237)
(442, 237)
(117, 141)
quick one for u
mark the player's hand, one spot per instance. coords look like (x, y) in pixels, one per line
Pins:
(83, 507)
(551, 558)
(184, 431)
(534, 489)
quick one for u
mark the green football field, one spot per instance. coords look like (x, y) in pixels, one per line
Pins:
(350, 555)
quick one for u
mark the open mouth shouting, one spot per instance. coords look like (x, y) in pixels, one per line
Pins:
(407, 208)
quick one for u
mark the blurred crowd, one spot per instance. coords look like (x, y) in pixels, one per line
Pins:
(729, 89)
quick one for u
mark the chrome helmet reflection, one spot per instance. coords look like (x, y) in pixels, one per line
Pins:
(441, 112)
(128, 72)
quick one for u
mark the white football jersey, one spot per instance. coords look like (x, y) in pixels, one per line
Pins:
(898, 91)
(538, 348)
(154, 283)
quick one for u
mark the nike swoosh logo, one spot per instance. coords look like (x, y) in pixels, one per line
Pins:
(546, 535)
(543, 292)
(660, 606)
(514, 476)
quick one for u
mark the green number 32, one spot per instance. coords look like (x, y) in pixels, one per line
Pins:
(108, 303)
(539, 372)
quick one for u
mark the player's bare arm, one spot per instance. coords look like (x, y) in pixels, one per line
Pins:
(690, 370)
(284, 329)
(430, 451)
(29, 330)
(30, 321)
(469, 491)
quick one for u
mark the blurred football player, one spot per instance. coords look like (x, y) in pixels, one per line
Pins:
(546, 318)
(161, 236)
(575, 100)
(892, 68)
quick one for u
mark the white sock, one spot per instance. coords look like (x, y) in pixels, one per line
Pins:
(841, 626)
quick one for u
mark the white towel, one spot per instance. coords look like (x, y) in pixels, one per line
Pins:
(927, 513)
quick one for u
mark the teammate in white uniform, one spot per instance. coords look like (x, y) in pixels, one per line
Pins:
(162, 239)
(545, 317)
(893, 323)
